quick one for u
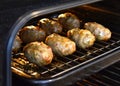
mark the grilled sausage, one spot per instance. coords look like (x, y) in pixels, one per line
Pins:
(60, 45)
(39, 53)
(100, 32)
(69, 21)
(32, 33)
(82, 38)
(50, 26)
(17, 44)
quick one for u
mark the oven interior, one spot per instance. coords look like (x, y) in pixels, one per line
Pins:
(80, 64)
(107, 77)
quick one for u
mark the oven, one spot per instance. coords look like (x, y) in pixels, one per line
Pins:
(94, 66)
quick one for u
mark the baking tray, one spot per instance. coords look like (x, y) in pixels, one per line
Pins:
(106, 53)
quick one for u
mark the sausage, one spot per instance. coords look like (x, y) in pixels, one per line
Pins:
(17, 44)
(82, 38)
(50, 26)
(39, 53)
(60, 45)
(100, 32)
(69, 21)
(32, 33)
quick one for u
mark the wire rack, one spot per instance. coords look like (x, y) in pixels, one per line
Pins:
(60, 65)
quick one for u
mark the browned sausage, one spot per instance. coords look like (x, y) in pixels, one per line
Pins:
(39, 53)
(69, 21)
(50, 26)
(100, 32)
(83, 38)
(32, 33)
(60, 45)
(17, 44)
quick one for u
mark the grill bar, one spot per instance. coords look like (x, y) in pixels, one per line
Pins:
(95, 80)
(107, 77)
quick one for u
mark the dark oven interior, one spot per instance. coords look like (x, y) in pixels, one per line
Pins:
(107, 77)
(83, 67)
